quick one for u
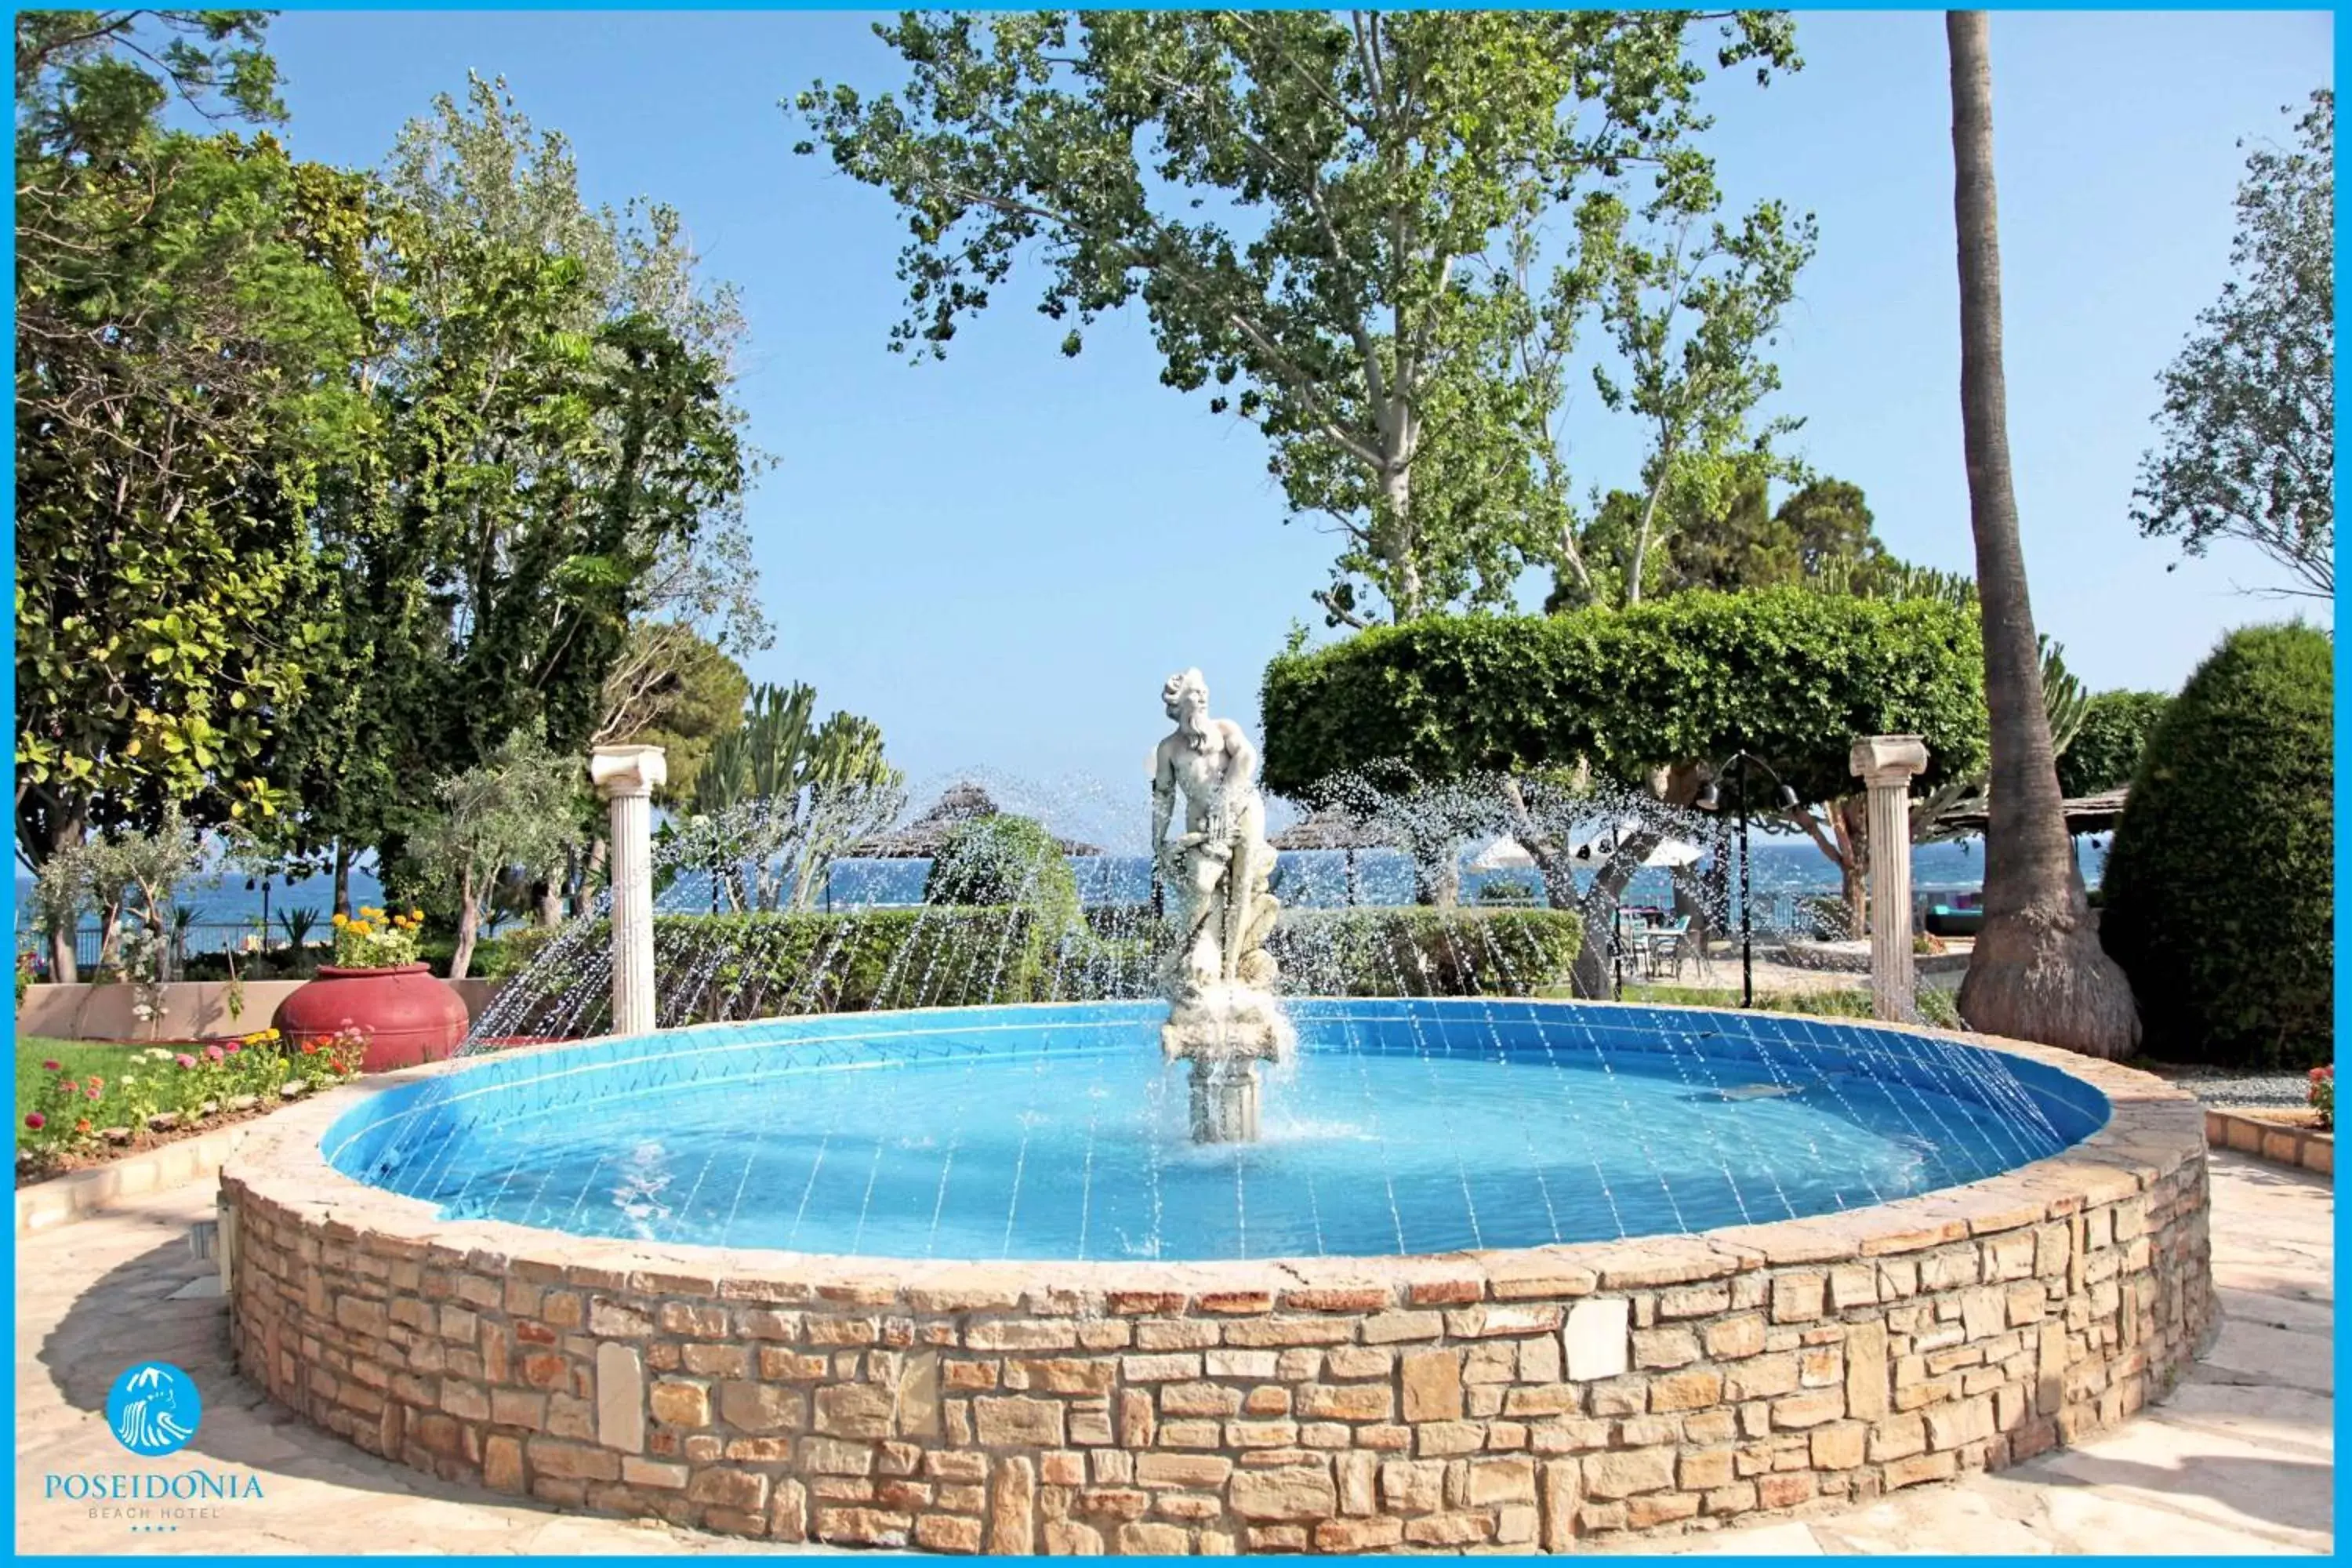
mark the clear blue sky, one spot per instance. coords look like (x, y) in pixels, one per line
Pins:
(978, 554)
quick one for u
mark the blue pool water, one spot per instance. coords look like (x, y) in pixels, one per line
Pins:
(1408, 1125)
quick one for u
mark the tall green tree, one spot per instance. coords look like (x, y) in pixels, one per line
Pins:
(558, 458)
(1691, 314)
(2249, 415)
(1302, 201)
(2037, 972)
(185, 314)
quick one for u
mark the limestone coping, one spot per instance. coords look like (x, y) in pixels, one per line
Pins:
(2152, 1129)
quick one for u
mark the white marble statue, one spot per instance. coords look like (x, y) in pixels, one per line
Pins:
(1218, 977)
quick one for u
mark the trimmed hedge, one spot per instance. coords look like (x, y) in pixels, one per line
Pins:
(1790, 675)
(1471, 951)
(719, 968)
(2220, 888)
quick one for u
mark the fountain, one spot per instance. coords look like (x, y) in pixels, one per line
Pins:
(885, 1227)
(1223, 1017)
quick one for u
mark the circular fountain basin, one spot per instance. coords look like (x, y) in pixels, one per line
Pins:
(1403, 1126)
(1514, 1275)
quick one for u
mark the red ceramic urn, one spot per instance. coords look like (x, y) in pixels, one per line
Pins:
(410, 1015)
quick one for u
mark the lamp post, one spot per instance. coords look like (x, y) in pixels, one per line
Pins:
(1711, 799)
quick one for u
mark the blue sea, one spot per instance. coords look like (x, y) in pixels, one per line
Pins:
(1781, 869)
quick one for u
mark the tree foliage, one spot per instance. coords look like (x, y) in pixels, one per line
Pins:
(2109, 742)
(2219, 889)
(1314, 209)
(1789, 675)
(515, 810)
(556, 459)
(675, 689)
(2249, 416)
(184, 313)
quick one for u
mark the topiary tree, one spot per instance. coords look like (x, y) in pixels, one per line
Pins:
(2219, 889)
(1653, 696)
(2107, 747)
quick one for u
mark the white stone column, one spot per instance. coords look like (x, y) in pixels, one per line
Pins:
(627, 776)
(1887, 764)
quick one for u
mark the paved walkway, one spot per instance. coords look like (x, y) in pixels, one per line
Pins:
(2241, 1459)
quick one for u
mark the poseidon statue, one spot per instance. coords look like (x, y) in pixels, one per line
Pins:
(1218, 976)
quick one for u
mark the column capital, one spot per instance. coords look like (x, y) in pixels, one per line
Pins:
(621, 771)
(1884, 761)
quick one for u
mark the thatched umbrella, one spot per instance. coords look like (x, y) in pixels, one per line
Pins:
(2084, 814)
(926, 836)
(1328, 830)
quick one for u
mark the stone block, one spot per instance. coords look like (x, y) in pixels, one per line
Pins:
(1866, 1370)
(852, 1410)
(1290, 1492)
(620, 1398)
(1432, 1382)
(1596, 1339)
(1797, 1298)
(947, 1533)
(1412, 1486)
(762, 1407)
(572, 1461)
(1691, 1390)
(1839, 1446)
(503, 1465)
(1627, 1471)
(1014, 1422)
(1735, 1338)
(1344, 1402)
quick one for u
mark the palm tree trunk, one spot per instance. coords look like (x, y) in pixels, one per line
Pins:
(2037, 972)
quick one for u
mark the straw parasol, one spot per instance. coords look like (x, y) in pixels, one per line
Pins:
(2084, 814)
(1335, 830)
(926, 836)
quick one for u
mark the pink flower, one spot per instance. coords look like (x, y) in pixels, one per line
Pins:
(51, 1067)
(36, 1120)
(184, 1060)
(214, 1053)
(235, 1046)
(92, 1092)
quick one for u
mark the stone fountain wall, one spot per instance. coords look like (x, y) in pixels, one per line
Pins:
(1524, 1399)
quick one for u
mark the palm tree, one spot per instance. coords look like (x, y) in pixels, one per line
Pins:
(2037, 972)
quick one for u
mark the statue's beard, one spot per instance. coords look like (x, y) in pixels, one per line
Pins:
(1193, 725)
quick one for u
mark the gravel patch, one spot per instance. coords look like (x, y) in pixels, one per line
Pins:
(2224, 1086)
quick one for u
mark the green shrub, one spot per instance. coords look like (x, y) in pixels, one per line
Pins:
(1464, 951)
(1011, 862)
(2220, 888)
(495, 958)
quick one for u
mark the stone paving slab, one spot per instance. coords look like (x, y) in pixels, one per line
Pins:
(2241, 1459)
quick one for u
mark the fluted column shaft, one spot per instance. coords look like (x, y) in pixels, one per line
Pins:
(627, 776)
(1887, 765)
